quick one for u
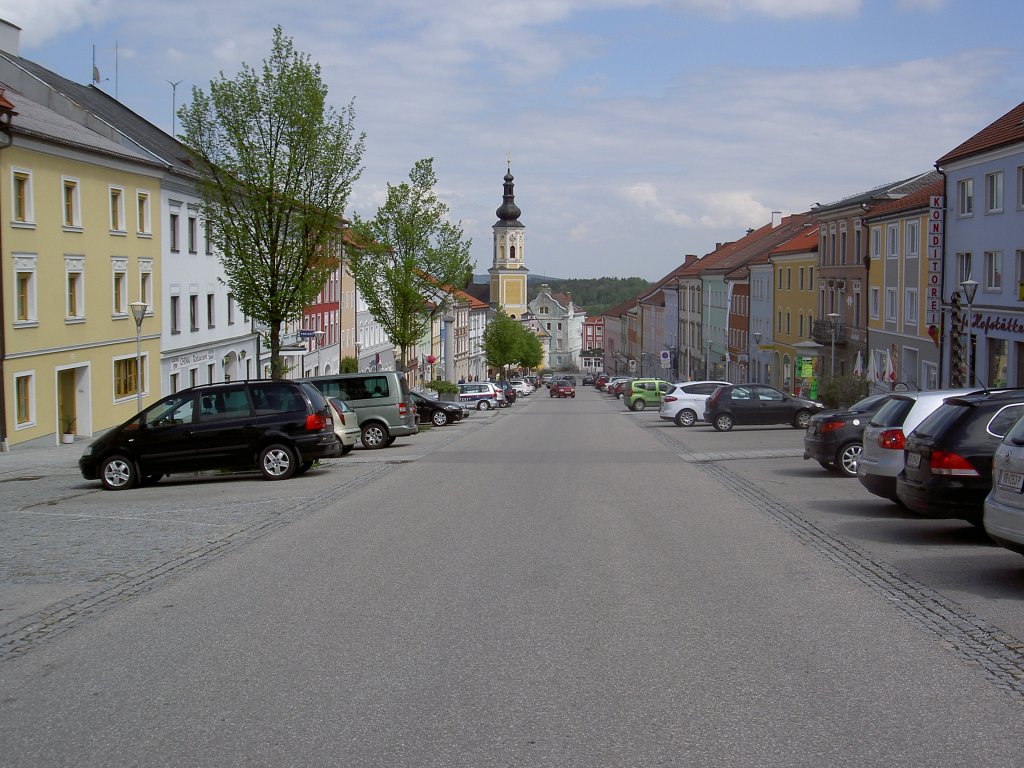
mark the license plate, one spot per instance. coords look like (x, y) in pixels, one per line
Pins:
(1010, 481)
(914, 460)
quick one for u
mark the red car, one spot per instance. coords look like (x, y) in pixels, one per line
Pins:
(563, 388)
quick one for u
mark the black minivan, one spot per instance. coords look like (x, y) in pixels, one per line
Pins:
(278, 427)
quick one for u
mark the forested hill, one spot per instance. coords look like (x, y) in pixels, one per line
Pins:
(596, 295)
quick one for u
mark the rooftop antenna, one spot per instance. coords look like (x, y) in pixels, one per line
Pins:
(174, 103)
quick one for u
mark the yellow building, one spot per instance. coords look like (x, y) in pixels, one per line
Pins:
(80, 244)
(794, 357)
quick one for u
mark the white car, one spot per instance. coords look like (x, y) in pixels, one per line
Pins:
(684, 402)
(521, 386)
(346, 424)
(885, 437)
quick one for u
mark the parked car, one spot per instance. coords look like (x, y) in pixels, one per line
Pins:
(644, 392)
(947, 470)
(835, 438)
(563, 388)
(757, 404)
(277, 427)
(481, 395)
(346, 425)
(522, 387)
(619, 388)
(881, 459)
(547, 379)
(381, 399)
(684, 402)
(508, 390)
(600, 381)
(1004, 506)
(437, 412)
(588, 380)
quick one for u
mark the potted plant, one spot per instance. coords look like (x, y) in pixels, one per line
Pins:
(445, 390)
(67, 430)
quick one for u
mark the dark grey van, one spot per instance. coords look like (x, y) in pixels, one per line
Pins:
(381, 400)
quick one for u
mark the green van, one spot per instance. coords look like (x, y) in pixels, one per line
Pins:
(644, 392)
(382, 401)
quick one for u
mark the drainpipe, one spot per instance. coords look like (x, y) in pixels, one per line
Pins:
(944, 370)
(6, 114)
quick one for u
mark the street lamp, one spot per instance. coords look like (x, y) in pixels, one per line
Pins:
(707, 362)
(833, 326)
(757, 346)
(139, 309)
(970, 289)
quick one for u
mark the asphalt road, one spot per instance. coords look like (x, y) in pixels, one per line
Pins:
(564, 583)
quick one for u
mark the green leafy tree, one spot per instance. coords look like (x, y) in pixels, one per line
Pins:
(406, 255)
(507, 342)
(276, 166)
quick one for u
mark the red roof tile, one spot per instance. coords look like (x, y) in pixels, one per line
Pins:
(1008, 129)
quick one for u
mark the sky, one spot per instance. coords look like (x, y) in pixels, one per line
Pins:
(639, 131)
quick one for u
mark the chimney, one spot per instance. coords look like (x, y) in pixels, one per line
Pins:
(10, 35)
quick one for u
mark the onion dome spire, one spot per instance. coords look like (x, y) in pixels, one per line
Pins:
(508, 212)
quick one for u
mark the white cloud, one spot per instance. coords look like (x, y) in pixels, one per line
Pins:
(46, 19)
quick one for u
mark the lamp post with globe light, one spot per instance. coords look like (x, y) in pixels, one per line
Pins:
(833, 326)
(139, 309)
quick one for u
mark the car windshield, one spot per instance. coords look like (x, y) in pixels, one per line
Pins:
(867, 403)
(941, 419)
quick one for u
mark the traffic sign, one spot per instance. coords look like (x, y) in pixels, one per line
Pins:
(306, 333)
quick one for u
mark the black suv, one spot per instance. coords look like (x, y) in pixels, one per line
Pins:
(835, 438)
(947, 468)
(742, 404)
(279, 427)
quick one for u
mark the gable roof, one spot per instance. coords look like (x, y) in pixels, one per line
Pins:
(1008, 129)
(918, 199)
(753, 245)
(880, 194)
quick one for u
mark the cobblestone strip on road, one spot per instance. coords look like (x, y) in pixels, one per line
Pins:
(995, 652)
(20, 636)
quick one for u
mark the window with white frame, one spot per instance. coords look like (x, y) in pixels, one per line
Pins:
(874, 296)
(71, 203)
(211, 316)
(993, 270)
(856, 304)
(789, 323)
(128, 378)
(930, 372)
(173, 235)
(24, 400)
(231, 309)
(965, 197)
(119, 287)
(910, 306)
(175, 313)
(74, 299)
(892, 241)
(994, 192)
(117, 224)
(876, 242)
(193, 312)
(193, 230)
(25, 312)
(890, 304)
(842, 242)
(207, 232)
(913, 238)
(1020, 186)
(963, 267)
(22, 207)
(146, 283)
(143, 220)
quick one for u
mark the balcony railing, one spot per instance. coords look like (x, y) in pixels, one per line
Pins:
(821, 332)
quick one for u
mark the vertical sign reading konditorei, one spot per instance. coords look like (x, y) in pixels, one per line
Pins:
(933, 297)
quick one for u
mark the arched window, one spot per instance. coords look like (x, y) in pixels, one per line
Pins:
(512, 253)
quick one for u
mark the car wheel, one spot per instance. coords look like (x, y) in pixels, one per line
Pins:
(723, 422)
(802, 419)
(304, 467)
(374, 436)
(483, 405)
(278, 462)
(639, 405)
(118, 473)
(619, 396)
(686, 418)
(440, 418)
(846, 459)
(346, 449)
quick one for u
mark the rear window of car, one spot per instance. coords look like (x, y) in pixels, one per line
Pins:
(942, 419)
(893, 413)
(274, 398)
(867, 403)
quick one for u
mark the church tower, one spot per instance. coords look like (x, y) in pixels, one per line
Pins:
(508, 273)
